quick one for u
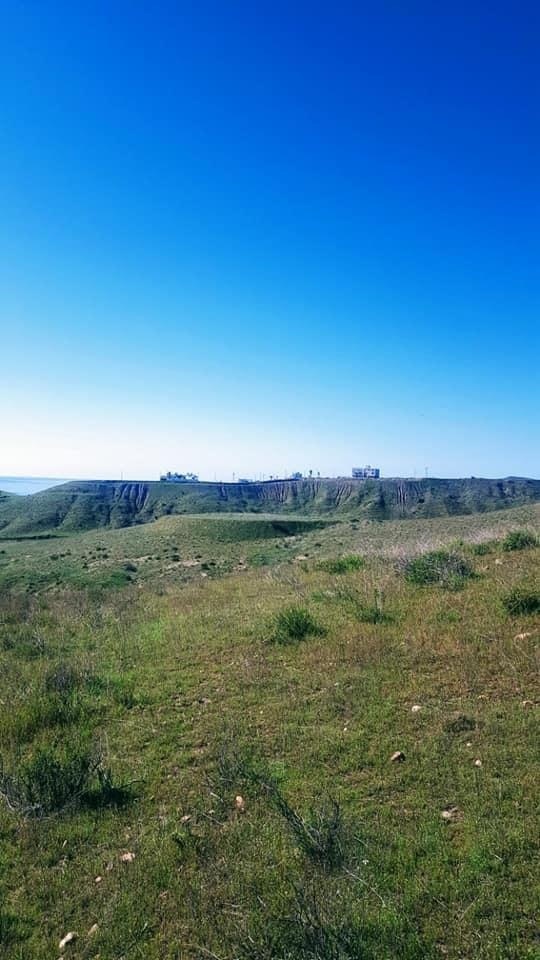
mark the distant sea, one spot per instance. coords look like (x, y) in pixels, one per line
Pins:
(24, 485)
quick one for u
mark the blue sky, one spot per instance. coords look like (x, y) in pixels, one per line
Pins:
(259, 237)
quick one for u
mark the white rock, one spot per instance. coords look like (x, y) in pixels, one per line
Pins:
(397, 757)
(416, 708)
(478, 762)
(65, 941)
(127, 857)
(93, 929)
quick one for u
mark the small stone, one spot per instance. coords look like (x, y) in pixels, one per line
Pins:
(98, 879)
(65, 941)
(522, 636)
(240, 804)
(449, 813)
(478, 762)
(498, 563)
(127, 857)
(397, 757)
(416, 708)
(93, 929)
(186, 818)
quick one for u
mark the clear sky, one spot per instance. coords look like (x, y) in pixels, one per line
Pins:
(268, 236)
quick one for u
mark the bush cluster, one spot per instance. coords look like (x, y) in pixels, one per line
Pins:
(522, 600)
(519, 540)
(443, 567)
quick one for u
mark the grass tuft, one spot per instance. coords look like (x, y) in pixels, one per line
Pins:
(519, 540)
(442, 567)
(50, 780)
(294, 624)
(522, 600)
(346, 564)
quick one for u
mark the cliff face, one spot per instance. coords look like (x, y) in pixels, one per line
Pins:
(88, 504)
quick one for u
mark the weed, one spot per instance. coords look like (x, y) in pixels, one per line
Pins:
(294, 624)
(519, 540)
(522, 600)
(62, 679)
(40, 711)
(321, 835)
(442, 567)
(345, 564)
(484, 548)
(308, 927)
(50, 780)
(373, 612)
(460, 723)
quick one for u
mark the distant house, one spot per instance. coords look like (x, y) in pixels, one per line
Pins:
(366, 473)
(179, 477)
(296, 476)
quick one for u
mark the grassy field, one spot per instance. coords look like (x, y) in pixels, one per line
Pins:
(178, 549)
(197, 753)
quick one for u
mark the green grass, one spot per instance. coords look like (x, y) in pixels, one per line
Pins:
(519, 540)
(345, 564)
(522, 600)
(295, 623)
(444, 567)
(252, 781)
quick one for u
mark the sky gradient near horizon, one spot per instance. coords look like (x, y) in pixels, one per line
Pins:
(259, 238)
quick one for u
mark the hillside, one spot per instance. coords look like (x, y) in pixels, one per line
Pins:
(316, 757)
(86, 505)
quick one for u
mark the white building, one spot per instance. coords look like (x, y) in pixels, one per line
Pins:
(366, 473)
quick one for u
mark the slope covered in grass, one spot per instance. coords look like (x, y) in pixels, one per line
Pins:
(174, 549)
(206, 770)
(87, 505)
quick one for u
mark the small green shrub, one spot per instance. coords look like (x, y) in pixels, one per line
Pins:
(259, 560)
(484, 548)
(122, 689)
(519, 540)
(50, 780)
(12, 928)
(294, 624)
(374, 611)
(460, 723)
(442, 567)
(63, 679)
(345, 564)
(522, 600)
(311, 925)
(23, 642)
(321, 835)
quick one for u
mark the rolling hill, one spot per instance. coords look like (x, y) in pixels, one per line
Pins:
(86, 505)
